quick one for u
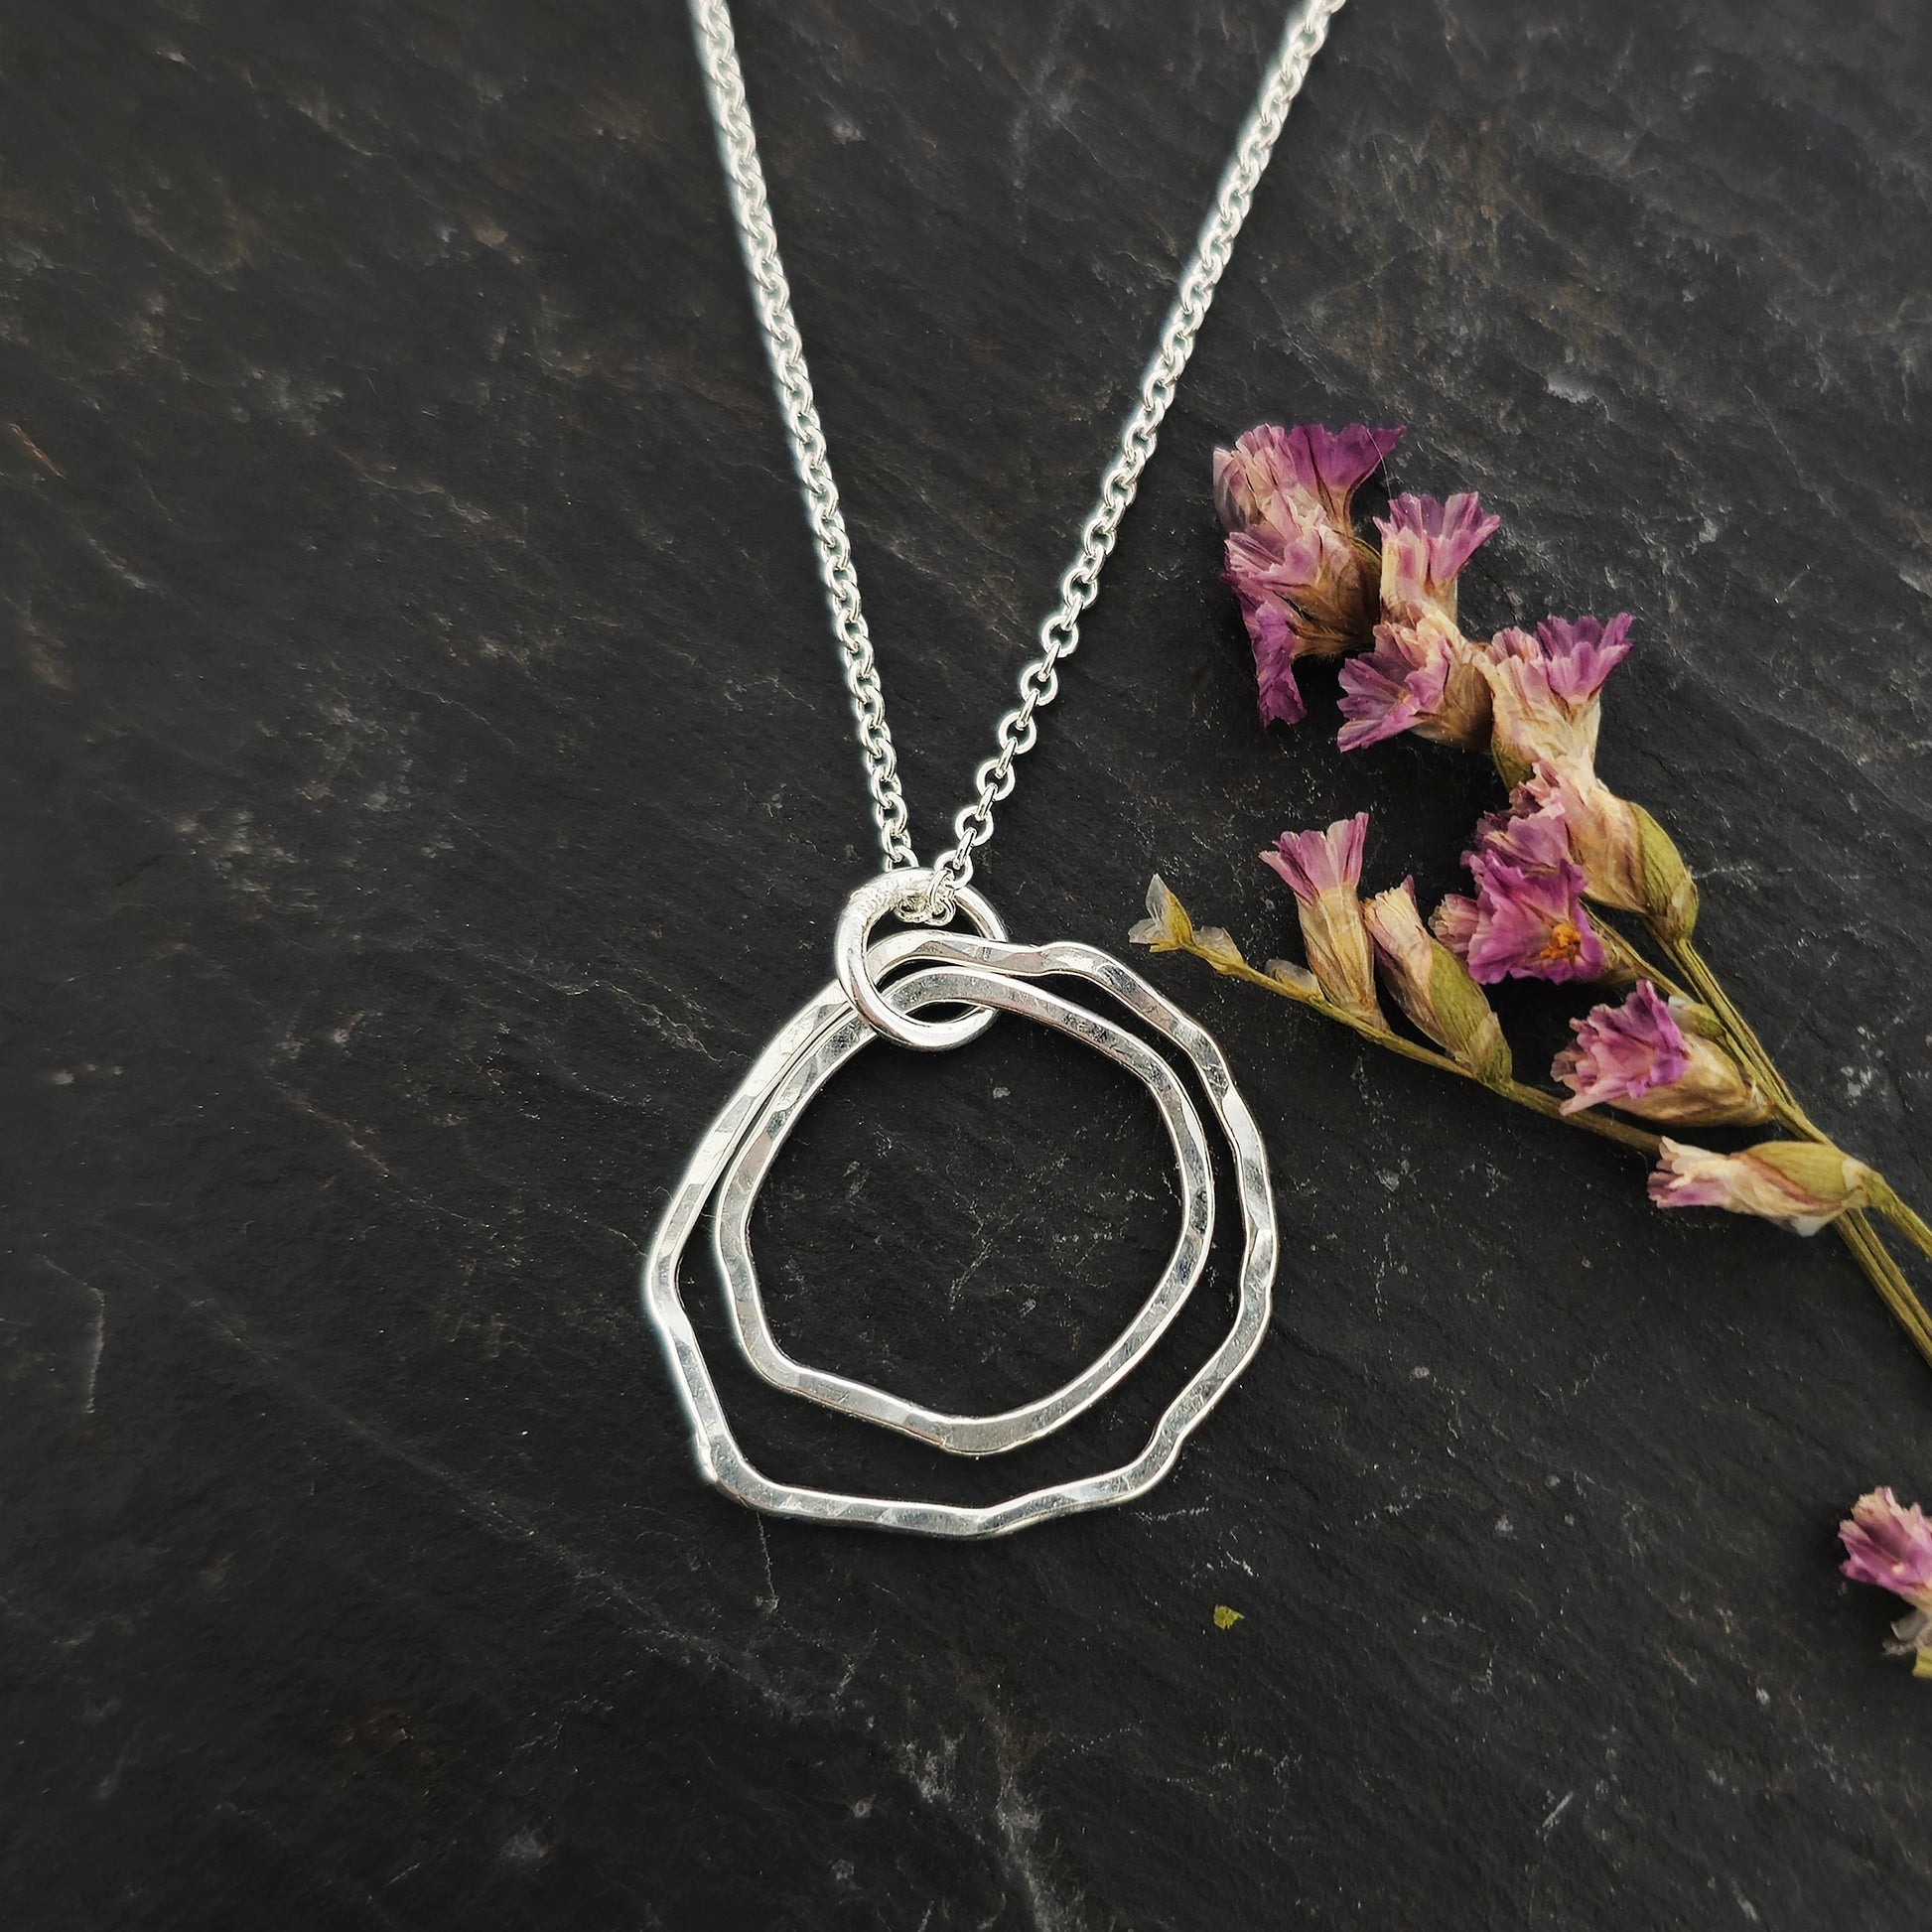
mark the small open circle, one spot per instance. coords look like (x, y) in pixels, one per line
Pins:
(806, 1075)
(889, 892)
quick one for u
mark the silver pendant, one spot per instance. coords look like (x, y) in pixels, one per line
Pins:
(987, 973)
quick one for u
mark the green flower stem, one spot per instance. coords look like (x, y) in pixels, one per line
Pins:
(1853, 1228)
(1887, 1277)
(1901, 1215)
(1750, 1049)
(1857, 1231)
(1549, 1105)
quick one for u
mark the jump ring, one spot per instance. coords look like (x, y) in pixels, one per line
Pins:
(889, 892)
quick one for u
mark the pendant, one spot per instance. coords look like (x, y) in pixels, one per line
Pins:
(875, 994)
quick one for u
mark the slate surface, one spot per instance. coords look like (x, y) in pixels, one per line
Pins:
(428, 785)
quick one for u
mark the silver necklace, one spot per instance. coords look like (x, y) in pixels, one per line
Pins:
(874, 994)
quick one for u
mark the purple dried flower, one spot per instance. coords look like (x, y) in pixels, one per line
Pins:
(1623, 1052)
(1322, 870)
(1425, 544)
(1536, 836)
(1637, 1056)
(1892, 1545)
(1270, 465)
(1424, 677)
(1532, 833)
(1302, 596)
(1580, 655)
(1313, 863)
(1306, 579)
(1799, 1184)
(1889, 1546)
(1546, 690)
(1531, 924)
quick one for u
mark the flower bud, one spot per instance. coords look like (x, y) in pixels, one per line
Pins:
(1166, 927)
(1423, 676)
(1433, 986)
(1546, 690)
(1322, 870)
(1296, 979)
(1424, 545)
(1215, 944)
(1669, 892)
(1799, 1184)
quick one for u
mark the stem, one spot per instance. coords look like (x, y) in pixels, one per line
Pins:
(1381, 1035)
(1651, 970)
(1853, 1227)
(1901, 1215)
(1857, 1231)
(1549, 1105)
(1887, 1277)
(1745, 1036)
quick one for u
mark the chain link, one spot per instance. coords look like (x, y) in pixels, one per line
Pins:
(785, 351)
(1059, 633)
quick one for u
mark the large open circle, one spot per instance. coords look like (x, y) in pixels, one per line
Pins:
(720, 1460)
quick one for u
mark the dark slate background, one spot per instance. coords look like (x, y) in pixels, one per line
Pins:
(428, 783)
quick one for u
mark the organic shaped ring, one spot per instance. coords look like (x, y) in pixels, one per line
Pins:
(896, 892)
(987, 972)
(962, 1435)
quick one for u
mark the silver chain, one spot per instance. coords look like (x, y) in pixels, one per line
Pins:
(1059, 633)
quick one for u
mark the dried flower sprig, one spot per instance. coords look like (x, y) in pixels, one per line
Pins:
(1551, 871)
(1892, 1547)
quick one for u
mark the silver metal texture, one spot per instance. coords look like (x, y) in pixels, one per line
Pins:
(963, 1435)
(785, 351)
(907, 893)
(1059, 633)
(736, 1149)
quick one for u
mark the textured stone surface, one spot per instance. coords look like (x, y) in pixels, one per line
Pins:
(427, 779)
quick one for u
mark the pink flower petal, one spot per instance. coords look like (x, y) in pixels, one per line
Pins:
(1531, 834)
(1890, 1546)
(1582, 654)
(1455, 923)
(1622, 1051)
(1424, 545)
(1269, 469)
(1278, 696)
(1339, 459)
(1266, 563)
(1315, 861)
(1387, 691)
(1532, 925)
